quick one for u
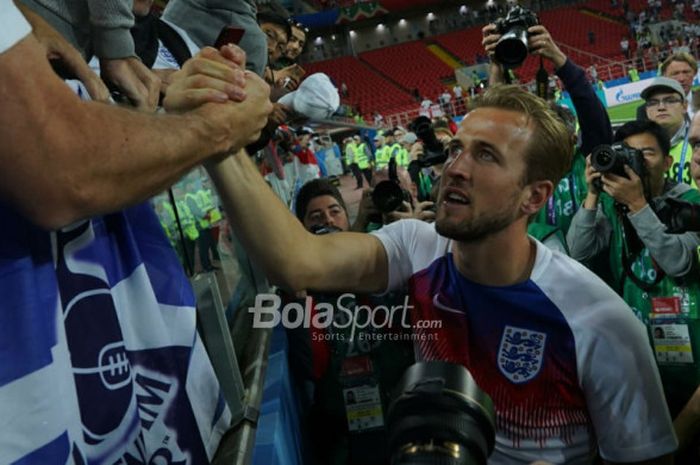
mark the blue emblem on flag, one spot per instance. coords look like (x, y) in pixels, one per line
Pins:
(520, 354)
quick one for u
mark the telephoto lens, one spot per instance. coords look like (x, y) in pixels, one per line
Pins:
(440, 417)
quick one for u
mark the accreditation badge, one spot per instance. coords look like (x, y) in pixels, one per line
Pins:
(672, 342)
(361, 395)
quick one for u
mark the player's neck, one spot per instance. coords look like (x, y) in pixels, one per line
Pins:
(502, 259)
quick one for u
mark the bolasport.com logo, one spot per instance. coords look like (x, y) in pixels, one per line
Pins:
(340, 316)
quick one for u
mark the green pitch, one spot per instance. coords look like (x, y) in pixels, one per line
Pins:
(624, 113)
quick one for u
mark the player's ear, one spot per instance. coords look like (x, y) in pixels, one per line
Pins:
(535, 195)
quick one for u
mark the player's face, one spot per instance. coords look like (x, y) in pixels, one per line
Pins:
(481, 188)
(325, 210)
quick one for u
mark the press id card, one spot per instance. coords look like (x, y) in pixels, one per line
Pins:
(672, 343)
(363, 407)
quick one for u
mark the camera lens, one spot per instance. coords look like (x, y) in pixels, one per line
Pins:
(511, 49)
(603, 159)
(440, 416)
(387, 196)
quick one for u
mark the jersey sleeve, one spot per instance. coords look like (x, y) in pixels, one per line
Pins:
(616, 368)
(13, 26)
(411, 245)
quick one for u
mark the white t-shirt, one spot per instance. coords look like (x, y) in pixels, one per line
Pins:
(562, 356)
(13, 26)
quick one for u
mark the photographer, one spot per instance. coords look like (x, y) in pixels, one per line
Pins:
(319, 357)
(592, 117)
(654, 271)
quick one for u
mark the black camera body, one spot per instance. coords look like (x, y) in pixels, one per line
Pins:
(512, 48)
(433, 150)
(679, 216)
(611, 159)
(389, 196)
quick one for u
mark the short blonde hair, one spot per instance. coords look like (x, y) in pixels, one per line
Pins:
(680, 56)
(549, 153)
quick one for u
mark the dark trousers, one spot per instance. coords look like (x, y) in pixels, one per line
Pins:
(205, 242)
(357, 173)
(368, 175)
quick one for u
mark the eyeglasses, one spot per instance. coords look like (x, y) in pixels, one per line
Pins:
(667, 101)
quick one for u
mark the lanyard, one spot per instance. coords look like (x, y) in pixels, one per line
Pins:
(551, 210)
(681, 168)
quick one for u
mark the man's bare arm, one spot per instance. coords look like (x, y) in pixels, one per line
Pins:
(64, 159)
(291, 256)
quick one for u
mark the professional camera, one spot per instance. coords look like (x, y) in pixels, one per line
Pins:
(679, 216)
(433, 150)
(611, 159)
(388, 195)
(512, 49)
(440, 416)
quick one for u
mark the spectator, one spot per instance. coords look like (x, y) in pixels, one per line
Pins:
(319, 355)
(104, 161)
(203, 20)
(666, 105)
(103, 27)
(478, 272)
(646, 261)
(625, 48)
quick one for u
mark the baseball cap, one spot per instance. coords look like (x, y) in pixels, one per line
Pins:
(316, 97)
(663, 84)
(409, 138)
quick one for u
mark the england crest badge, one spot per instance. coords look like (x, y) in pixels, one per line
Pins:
(521, 353)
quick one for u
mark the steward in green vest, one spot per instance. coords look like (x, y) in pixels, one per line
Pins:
(362, 157)
(211, 211)
(655, 271)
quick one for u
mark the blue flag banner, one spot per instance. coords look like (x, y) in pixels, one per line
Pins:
(100, 361)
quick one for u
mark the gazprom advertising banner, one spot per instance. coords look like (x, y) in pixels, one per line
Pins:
(619, 95)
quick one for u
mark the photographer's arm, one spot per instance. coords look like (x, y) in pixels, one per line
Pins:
(489, 40)
(590, 231)
(291, 256)
(65, 160)
(591, 114)
(674, 253)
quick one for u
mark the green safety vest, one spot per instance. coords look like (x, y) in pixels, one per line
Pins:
(382, 157)
(672, 304)
(350, 150)
(402, 158)
(634, 75)
(208, 206)
(361, 156)
(676, 152)
(567, 197)
(187, 221)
